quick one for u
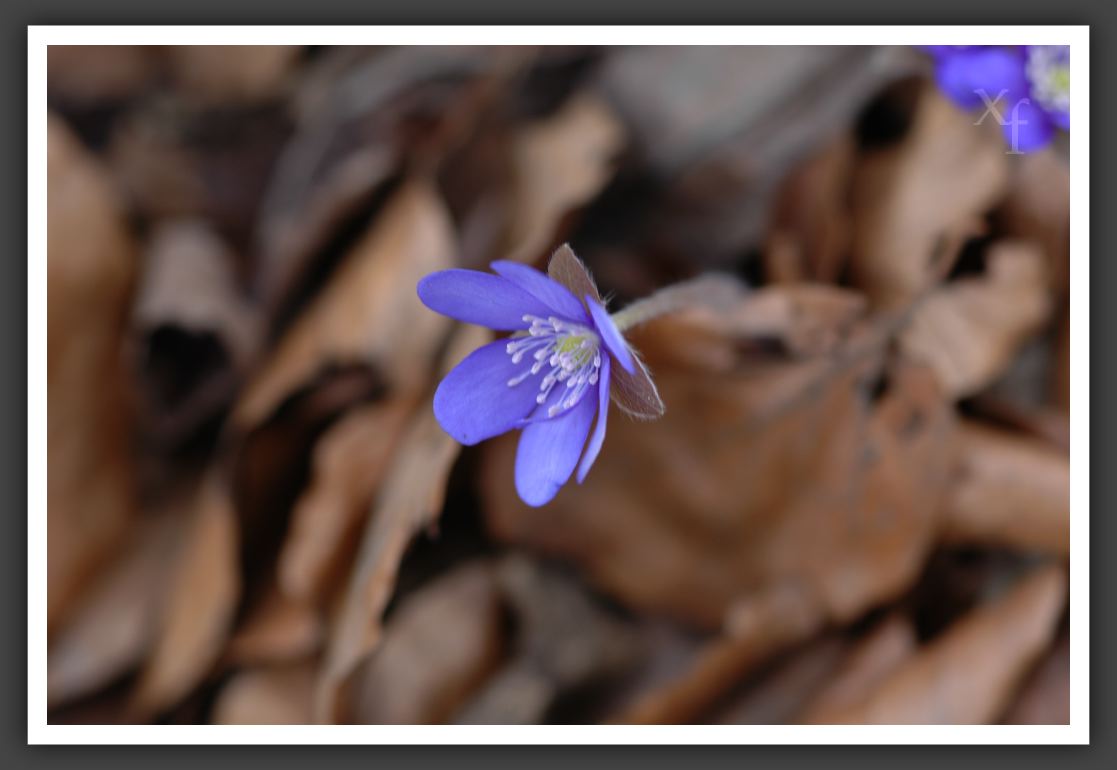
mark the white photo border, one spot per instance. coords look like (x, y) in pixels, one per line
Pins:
(40, 732)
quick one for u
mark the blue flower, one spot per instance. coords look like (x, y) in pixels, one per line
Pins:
(1030, 84)
(549, 378)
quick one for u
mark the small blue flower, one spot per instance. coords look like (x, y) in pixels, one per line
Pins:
(1031, 85)
(549, 378)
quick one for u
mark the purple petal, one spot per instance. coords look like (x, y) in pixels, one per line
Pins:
(1027, 127)
(610, 335)
(948, 50)
(548, 452)
(963, 76)
(550, 292)
(474, 401)
(598, 437)
(479, 298)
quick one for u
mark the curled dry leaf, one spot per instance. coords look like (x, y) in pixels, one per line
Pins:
(564, 642)
(1060, 380)
(761, 625)
(168, 187)
(725, 141)
(368, 309)
(216, 74)
(409, 501)
(969, 673)
(198, 614)
(1044, 698)
(912, 201)
(177, 158)
(194, 331)
(90, 271)
(799, 320)
(885, 647)
(88, 75)
(780, 694)
(807, 91)
(439, 645)
(808, 238)
(360, 116)
(1038, 208)
(1049, 424)
(272, 695)
(114, 623)
(278, 630)
(779, 470)
(969, 330)
(348, 466)
(1009, 490)
(559, 164)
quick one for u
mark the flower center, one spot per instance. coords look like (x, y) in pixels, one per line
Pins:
(572, 353)
(1049, 73)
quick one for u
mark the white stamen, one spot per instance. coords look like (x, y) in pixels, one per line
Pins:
(571, 353)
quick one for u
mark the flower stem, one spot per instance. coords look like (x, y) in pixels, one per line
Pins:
(713, 291)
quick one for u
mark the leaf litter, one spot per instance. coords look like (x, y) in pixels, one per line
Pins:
(253, 516)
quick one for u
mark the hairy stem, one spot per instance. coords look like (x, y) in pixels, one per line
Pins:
(712, 290)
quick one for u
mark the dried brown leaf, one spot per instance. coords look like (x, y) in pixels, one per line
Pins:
(348, 466)
(564, 642)
(194, 333)
(90, 270)
(409, 501)
(809, 236)
(176, 158)
(279, 695)
(763, 624)
(1060, 379)
(1046, 423)
(886, 646)
(114, 623)
(368, 308)
(1044, 698)
(361, 115)
(970, 330)
(279, 630)
(439, 645)
(969, 673)
(559, 164)
(1038, 208)
(778, 470)
(216, 74)
(912, 198)
(199, 611)
(801, 320)
(1009, 490)
(724, 140)
(780, 694)
(88, 75)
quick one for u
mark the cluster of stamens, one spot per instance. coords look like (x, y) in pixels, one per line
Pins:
(571, 351)
(1049, 72)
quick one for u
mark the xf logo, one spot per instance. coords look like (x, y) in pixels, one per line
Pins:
(1015, 121)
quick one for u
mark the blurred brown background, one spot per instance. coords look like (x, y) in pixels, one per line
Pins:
(855, 510)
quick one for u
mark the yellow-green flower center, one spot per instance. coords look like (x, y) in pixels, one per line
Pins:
(571, 352)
